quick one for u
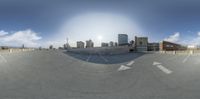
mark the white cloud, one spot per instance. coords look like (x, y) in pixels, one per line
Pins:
(27, 37)
(198, 33)
(192, 41)
(196, 41)
(3, 33)
(173, 38)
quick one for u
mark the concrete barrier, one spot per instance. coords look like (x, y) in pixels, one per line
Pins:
(195, 52)
(16, 50)
(102, 50)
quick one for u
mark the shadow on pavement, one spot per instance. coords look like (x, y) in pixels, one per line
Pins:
(105, 59)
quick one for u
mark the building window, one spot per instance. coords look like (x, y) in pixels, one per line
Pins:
(140, 43)
(169, 45)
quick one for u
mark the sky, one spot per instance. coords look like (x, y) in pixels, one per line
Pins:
(37, 23)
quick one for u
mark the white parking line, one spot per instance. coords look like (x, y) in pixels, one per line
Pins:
(122, 67)
(130, 63)
(186, 58)
(165, 70)
(156, 63)
(3, 58)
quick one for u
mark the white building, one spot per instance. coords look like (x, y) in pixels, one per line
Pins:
(192, 47)
(141, 43)
(80, 44)
(89, 44)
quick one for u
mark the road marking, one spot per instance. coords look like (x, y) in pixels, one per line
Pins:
(165, 70)
(88, 58)
(3, 58)
(156, 63)
(186, 58)
(130, 63)
(122, 67)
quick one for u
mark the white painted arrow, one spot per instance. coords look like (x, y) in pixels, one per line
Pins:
(156, 63)
(130, 63)
(122, 67)
(164, 69)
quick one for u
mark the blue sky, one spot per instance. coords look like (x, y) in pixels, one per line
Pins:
(45, 22)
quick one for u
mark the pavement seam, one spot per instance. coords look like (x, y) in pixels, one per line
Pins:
(3, 58)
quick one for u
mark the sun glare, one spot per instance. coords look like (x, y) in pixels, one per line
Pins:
(99, 37)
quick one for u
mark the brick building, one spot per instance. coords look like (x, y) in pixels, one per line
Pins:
(169, 46)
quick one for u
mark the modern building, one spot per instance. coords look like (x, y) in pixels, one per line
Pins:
(122, 39)
(115, 44)
(111, 43)
(169, 46)
(89, 44)
(104, 44)
(153, 46)
(141, 43)
(80, 44)
(132, 43)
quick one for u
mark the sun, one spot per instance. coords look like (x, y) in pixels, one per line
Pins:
(99, 37)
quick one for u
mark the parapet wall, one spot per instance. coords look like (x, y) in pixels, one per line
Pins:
(181, 52)
(15, 50)
(102, 50)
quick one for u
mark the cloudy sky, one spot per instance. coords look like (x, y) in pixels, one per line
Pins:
(44, 22)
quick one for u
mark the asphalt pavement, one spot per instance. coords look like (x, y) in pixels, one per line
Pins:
(56, 74)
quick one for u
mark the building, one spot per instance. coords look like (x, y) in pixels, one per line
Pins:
(66, 46)
(111, 43)
(132, 43)
(89, 44)
(153, 46)
(4, 47)
(115, 44)
(122, 39)
(192, 47)
(169, 46)
(23, 46)
(50, 46)
(80, 44)
(104, 44)
(198, 47)
(141, 43)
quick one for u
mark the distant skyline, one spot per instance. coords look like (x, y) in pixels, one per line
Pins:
(37, 23)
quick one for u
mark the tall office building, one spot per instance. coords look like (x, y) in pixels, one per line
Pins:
(89, 44)
(122, 39)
